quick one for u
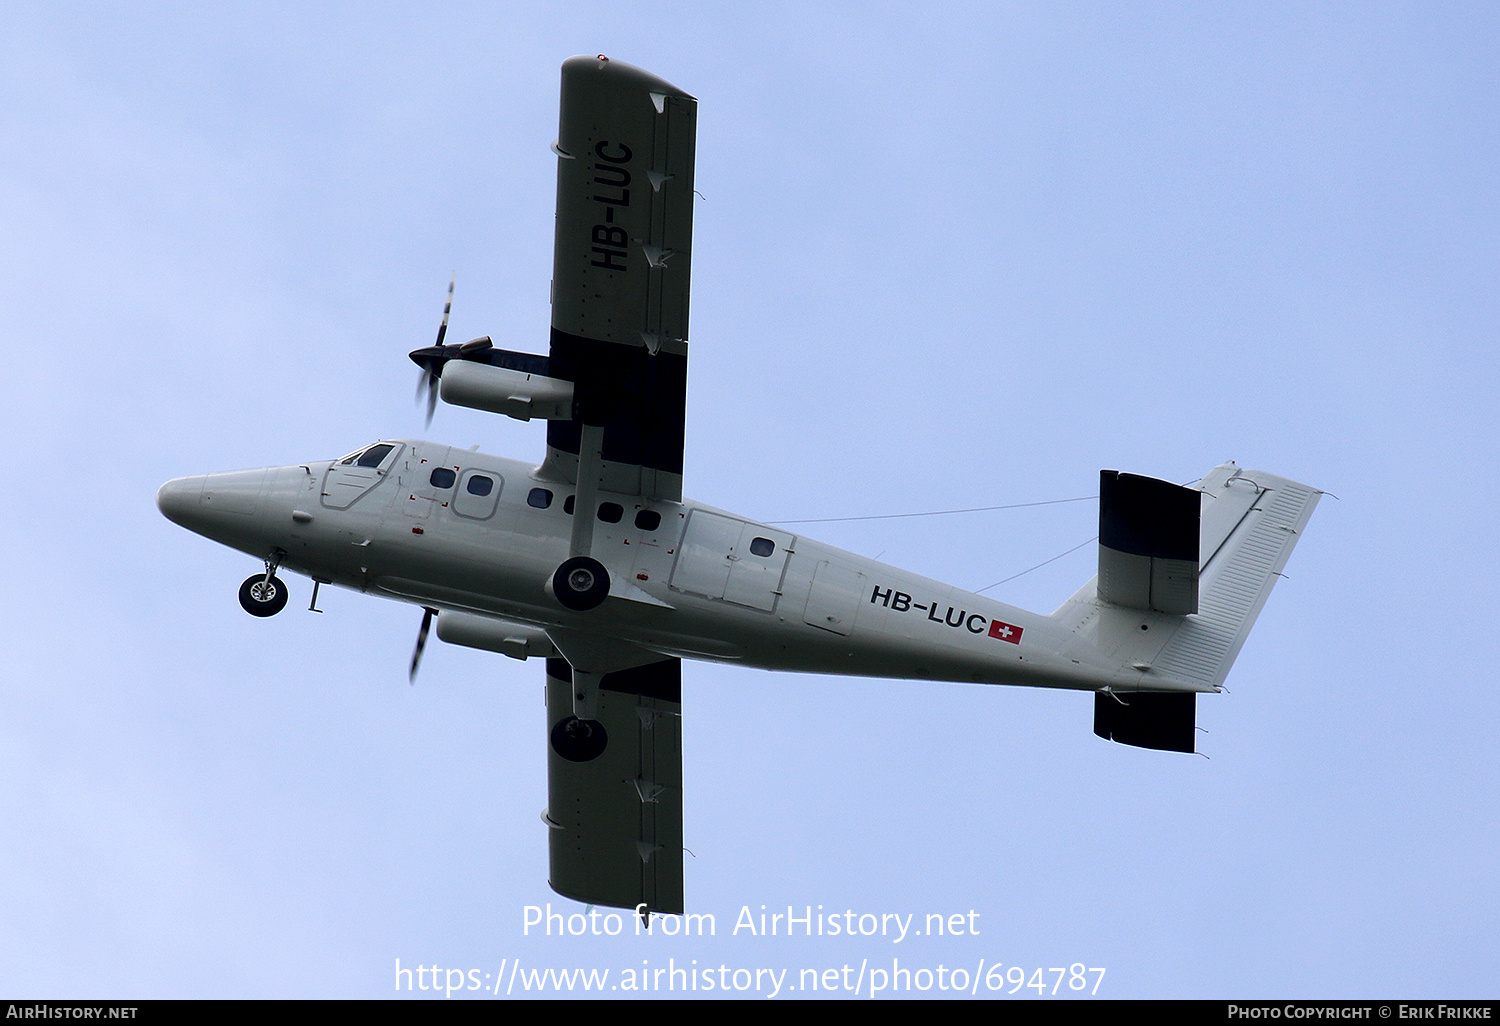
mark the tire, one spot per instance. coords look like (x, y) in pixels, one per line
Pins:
(579, 740)
(580, 583)
(259, 599)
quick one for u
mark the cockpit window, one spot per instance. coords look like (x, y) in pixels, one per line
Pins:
(374, 456)
(356, 474)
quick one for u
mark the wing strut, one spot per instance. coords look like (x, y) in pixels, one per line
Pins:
(586, 499)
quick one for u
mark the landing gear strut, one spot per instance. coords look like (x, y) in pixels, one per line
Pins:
(264, 594)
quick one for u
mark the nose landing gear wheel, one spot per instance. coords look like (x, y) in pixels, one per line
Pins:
(580, 583)
(260, 597)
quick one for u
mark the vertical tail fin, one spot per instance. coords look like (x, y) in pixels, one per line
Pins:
(1148, 543)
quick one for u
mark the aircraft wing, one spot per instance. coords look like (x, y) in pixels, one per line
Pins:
(614, 802)
(621, 264)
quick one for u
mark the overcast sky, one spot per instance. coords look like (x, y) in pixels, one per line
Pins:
(946, 255)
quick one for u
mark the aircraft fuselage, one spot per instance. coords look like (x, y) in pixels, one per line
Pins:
(468, 533)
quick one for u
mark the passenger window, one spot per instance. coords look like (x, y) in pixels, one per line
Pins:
(648, 520)
(762, 547)
(568, 505)
(610, 512)
(442, 477)
(375, 455)
(541, 498)
(477, 495)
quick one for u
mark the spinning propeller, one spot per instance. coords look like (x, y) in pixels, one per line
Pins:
(434, 357)
(431, 361)
(428, 381)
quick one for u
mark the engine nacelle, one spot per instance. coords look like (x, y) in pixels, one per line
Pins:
(494, 635)
(481, 386)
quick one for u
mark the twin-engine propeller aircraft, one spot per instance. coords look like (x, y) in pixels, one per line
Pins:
(595, 562)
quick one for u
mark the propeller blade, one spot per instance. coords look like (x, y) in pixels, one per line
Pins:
(447, 307)
(428, 381)
(432, 396)
(416, 656)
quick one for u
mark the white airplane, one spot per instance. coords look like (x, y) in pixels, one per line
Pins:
(596, 563)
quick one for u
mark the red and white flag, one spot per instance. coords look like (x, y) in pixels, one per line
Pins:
(1006, 631)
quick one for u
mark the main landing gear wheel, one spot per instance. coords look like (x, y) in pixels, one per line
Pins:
(262, 597)
(580, 583)
(579, 740)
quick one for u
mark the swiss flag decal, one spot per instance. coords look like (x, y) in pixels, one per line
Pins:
(1006, 632)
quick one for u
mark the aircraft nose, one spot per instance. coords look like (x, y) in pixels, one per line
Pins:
(178, 499)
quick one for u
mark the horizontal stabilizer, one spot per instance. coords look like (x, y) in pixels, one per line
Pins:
(1145, 719)
(1251, 522)
(1235, 529)
(1148, 543)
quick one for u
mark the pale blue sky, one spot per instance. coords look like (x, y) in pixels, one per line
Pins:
(947, 255)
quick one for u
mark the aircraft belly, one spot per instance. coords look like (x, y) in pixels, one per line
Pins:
(702, 593)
